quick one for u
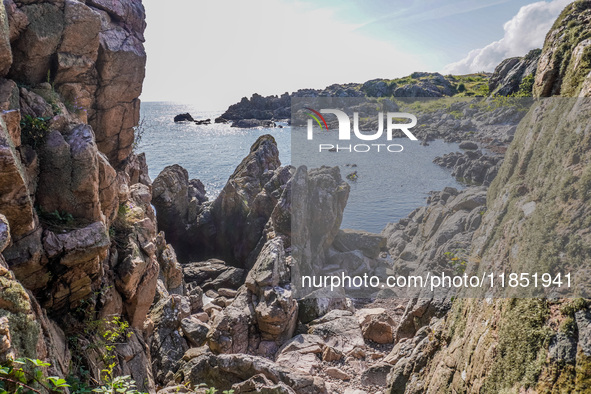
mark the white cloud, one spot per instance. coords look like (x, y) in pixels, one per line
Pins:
(212, 53)
(525, 31)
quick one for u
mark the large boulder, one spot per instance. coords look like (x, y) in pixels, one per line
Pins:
(376, 325)
(167, 343)
(340, 330)
(213, 274)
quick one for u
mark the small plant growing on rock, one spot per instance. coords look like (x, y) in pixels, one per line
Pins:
(55, 218)
(113, 332)
(34, 130)
(457, 261)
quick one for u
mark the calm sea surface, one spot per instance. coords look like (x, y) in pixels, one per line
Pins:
(388, 187)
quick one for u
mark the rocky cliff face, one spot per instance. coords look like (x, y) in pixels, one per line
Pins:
(565, 63)
(80, 243)
(91, 53)
(537, 216)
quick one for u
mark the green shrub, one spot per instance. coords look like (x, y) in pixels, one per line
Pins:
(34, 130)
(525, 87)
(25, 375)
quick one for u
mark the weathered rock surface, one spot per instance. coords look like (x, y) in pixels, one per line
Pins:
(264, 313)
(319, 197)
(88, 252)
(214, 274)
(319, 302)
(376, 325)
(15, 200)
(340, 331)
(471, 167)
(231, 226)
(369, 244)
(419, 242)
(562, 69)
(497, 333)
(5, 49)
(178, 203)
(69, 178)
(225, 370)
(167, 343)
(509, 75)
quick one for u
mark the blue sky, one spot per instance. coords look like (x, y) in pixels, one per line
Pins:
(212, 53)
(438, 30)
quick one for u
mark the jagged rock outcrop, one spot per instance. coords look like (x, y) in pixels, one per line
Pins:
(564, 65)
(231, 226)
(250, 123)
(262, 108)
(263, 316)
(510, 74)
(486, 121)
(319, 197)
(419, 242)
(178, 203)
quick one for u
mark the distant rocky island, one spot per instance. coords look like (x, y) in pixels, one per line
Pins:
(506, 80)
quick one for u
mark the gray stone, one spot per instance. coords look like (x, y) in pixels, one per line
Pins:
(195, 331)
(370, 244)
(563, 347)
(583, 320)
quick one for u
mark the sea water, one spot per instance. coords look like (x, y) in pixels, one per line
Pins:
(385, 190)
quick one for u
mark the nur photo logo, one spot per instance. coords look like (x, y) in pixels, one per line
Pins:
(395, 121)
